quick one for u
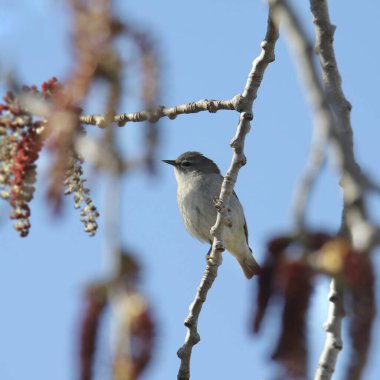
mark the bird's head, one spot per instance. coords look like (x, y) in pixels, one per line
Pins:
(193, 163)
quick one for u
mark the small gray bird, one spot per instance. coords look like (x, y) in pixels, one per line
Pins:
(199, 182)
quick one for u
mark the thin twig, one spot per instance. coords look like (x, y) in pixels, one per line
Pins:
(333, 327)
(238, 160)
(306, 183)
(355, 182)
(157, 113)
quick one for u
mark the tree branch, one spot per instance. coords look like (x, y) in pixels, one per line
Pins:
(340, 106)
(353, 217)
(157, 113)
(342, 145)
(238, 160)
(332, 118)
(330, 74)
(354, 182)
(333, 326)
(306, 183)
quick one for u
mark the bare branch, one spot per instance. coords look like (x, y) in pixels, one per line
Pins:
(333, 326)
(315, 163)
(340, 106)
(324, 122)
(238, 160)
(331, 112)
(354, 182)
(342, 145)
(354, 218)
(157, 113)
(330, 74)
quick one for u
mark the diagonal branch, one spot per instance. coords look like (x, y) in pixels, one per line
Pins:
(315, 162)
(238, 160)
(354, 182)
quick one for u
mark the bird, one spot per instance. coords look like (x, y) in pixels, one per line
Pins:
(198, 183)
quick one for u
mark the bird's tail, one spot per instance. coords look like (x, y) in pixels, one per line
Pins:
(249, 266)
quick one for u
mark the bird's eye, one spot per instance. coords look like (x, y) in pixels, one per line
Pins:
(186, 163)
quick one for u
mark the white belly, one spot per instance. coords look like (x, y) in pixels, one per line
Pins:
(198, 212)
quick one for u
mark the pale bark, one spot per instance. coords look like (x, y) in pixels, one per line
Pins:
(333, 328)
(354, 214)
(238, 160)
(354, 181)
(332, 120)
(158, 112)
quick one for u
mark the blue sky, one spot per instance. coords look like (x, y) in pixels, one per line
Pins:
(206, 48)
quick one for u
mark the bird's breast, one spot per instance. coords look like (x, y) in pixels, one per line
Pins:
(195, 202)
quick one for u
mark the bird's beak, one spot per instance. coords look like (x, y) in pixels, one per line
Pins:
(170, 162)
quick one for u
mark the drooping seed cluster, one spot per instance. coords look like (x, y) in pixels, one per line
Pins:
(135, 323)
(22, 136)
(75, 184)
(289, 272)
(20, 144)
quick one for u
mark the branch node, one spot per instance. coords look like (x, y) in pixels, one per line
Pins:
(239, 102)
(211, 106)
(190, 321)
(242, 160)
(155, 115)
(219, 205)
(235, 144)
(338, 344)
(264, 45)
(121, 123)
(101, 123)
(247, 116)
(218, 246)
(181, 352)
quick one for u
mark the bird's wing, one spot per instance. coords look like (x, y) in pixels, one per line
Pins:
(245, 230)
(245, 223)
